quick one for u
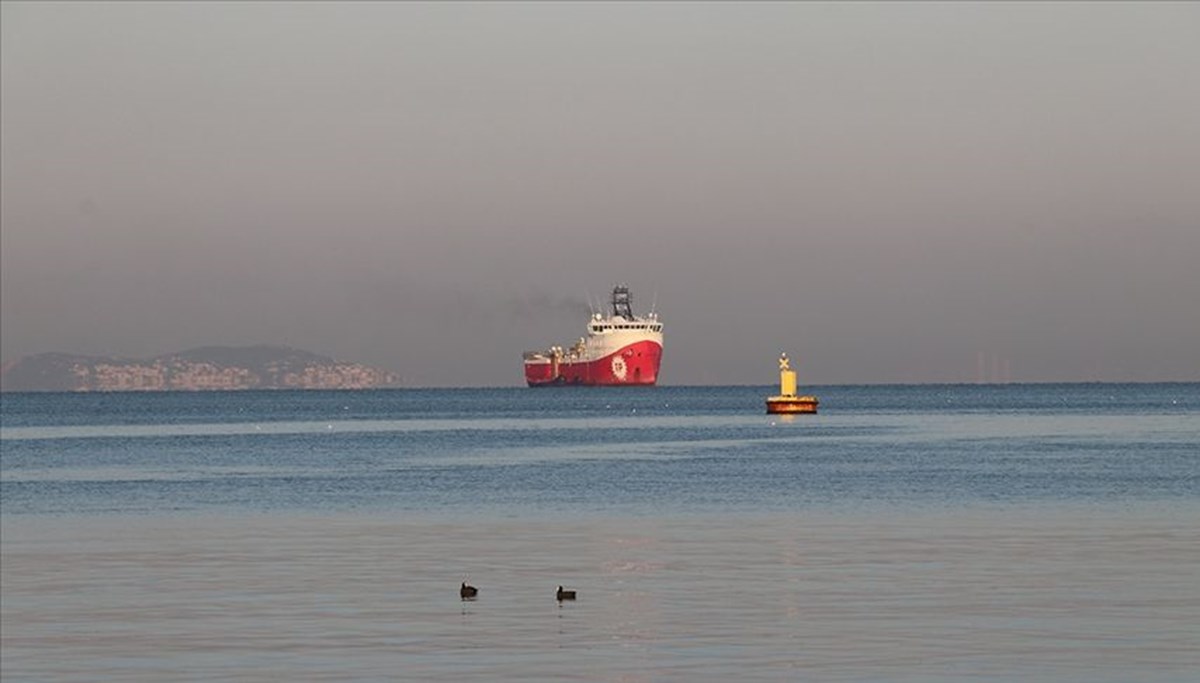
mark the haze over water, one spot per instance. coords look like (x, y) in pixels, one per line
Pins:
(906, 533)
(884, 190)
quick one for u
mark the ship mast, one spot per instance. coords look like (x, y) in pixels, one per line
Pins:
(622, 302)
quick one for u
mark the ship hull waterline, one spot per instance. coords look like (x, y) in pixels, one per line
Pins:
(633, 365)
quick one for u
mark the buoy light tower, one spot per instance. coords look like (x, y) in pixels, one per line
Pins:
(787, 401)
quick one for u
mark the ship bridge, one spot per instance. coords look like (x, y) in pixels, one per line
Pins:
(620, 325)
(622, 318)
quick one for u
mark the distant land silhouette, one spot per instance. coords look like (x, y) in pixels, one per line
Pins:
(210, 368)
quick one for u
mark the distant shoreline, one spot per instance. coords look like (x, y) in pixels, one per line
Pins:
(212, 368)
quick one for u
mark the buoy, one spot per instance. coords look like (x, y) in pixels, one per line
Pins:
(787, 401)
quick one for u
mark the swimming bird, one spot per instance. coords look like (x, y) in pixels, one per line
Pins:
(564, 594)
(467, 591)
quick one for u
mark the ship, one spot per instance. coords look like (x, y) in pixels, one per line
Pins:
(620, 349)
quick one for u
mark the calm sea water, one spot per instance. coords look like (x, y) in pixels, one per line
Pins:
(906, 533)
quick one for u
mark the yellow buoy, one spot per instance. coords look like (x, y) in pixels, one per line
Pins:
(787, 401)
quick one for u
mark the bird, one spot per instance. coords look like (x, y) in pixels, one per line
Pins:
(467, 591)
(564, 594)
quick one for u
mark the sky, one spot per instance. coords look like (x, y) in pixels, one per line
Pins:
(889, 192)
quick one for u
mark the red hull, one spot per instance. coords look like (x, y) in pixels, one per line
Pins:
(633, 365)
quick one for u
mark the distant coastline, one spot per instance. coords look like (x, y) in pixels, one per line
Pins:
(210, 368)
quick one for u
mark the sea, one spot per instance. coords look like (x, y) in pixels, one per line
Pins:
(1016, 532)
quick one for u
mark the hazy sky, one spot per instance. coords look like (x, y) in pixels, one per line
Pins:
(889, 192)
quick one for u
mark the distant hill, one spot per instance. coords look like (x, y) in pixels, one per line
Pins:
(209, 368)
